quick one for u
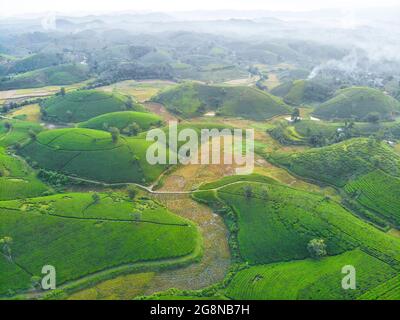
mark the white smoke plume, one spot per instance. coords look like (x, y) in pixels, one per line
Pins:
(49, 22)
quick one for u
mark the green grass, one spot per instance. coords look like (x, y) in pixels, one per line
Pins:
(57, 75)
(357, 103)
(82, 105)
(12, 277)
(389, 290)
(34, 61)
(300, 92)
(193, 99)
(309, 279)
(339, 163)
(91, 154)
(301, 131)
(19, 132)
(121, 120)
(17, 180)
(378, 191)
(279, 226)
(78, 243)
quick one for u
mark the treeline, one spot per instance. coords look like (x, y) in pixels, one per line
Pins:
(133, 71)
(14, 105)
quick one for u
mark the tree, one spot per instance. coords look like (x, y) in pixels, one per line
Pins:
(69, 115)
(129, 103)
(132, 192)
(137, 217)
(32, 135)
(6, 243)
(135, 159)
(35, 281)
(8, 125)
(295, 114)
(248, 192)
(133, 129)
(96, 198)
(264, 193)
(114, 134)
(373, 117)
(317, 248)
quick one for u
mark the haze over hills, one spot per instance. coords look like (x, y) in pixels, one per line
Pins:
(89, 185)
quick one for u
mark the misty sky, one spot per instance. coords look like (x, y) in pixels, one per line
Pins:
(13, 7)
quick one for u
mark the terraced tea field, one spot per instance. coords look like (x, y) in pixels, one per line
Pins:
(107, 224)
(92, 154)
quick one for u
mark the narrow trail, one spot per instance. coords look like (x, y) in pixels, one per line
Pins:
(216, 255)
(216, 258)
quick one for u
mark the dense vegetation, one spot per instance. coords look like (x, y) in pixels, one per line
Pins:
(301, 92)
(55, 75)
(274, 223)
(378, 191)
(193, 99)
(95, 233)
(310, 279)
(32, 62)
(321, 133)
(82, 105)
(359, 103)
(92, 154)
(122, 120)
(85, 199)
(17, 180)
(14, 132)
(339, 163)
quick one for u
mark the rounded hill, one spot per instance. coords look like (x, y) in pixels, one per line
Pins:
(82, 105)
(359, 103)
(193, 99)
(302, 92)
(122, 120)
(93, 155)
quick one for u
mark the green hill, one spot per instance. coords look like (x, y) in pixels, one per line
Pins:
(83, 105)
(18, 133)
(321, 133)
(300, 92)
(35, 61)
(368, 171)
(193, 99)
(17, 180)
(122, 120)
(57, 75)
(80, 236)
(310, 279)
(379, 192)
(274, 223)
(339, 163)
(92, 154)
(358, 103)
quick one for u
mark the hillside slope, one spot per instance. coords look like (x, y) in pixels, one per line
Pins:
(301, 92)
(83, 105)
(338, 163)
(122, 120)
(193, 99)
(357, 103)
(57, 75)
(92, 154)
(80, 236)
